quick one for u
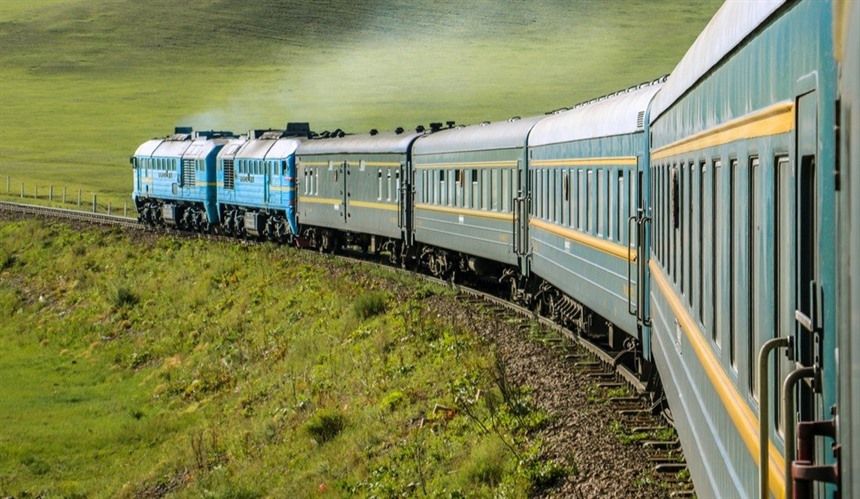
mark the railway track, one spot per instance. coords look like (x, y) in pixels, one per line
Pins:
(66, 214)
(643, 419)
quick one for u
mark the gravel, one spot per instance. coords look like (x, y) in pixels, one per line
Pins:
(581, 433)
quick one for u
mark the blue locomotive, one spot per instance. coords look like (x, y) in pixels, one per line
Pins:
(256, 183)
(174, 179)
(693, 225)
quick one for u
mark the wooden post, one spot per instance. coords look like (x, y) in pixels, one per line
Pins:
(8, 185)
(36, 192)
(64, 194)
(94, 202)
(79, 198)
(22, 190)
(108, 207)
(51, 194)
(125, 210)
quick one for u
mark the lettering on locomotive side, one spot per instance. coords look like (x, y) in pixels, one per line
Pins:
(247, 179)
(165, 175)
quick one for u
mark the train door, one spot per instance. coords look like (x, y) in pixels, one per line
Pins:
(637, 264)
(401, 192)
(344, 185)
(268, 177)
(520, 205)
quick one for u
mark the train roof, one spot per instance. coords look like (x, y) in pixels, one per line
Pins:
(735, 20)
(147, 148)
(617, 114)
(181, 145)
(487, 136)
(268, 148)
(380, 143)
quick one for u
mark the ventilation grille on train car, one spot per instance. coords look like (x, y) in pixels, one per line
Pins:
(640, 119)
(188, 178)
(229, 174)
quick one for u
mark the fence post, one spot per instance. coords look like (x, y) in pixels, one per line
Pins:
(79, 198)
(108, 207)
(8, 185)
(64, 194)
(125, 210)
(22, 190)
(51, 194)
(36, 192)
(94, 202)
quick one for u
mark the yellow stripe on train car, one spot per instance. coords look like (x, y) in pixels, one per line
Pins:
(508, 217)
(772, 120)
(609, 247)
(615, 161)
(739, 412)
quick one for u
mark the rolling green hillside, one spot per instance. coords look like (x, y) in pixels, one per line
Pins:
(82, 83)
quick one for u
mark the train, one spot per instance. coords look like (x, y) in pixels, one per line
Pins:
(704, 227)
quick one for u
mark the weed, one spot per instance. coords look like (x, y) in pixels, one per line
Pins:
(7, 260)
(369, 304)
(623, 436)
(391, 401)
(36, 465)
(325, 425)
(486, 464)
(122, 296)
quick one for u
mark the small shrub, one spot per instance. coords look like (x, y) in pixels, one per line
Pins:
(369, 304)
(325, 425)
(544, 474)
(7, 260)
(122, 296)
(391, 401)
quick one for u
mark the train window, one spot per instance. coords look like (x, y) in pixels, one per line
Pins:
(566, 186)
(397, 185)
(506, 190)
(687, 220)
(754, 244)
(701, 238)
(316, 172)
(718, 262)
(388, 178)
(573, 213)
(619, 207)
(589, 197)
(379, 185)
(674, 194)
(611, 204)
(734, 255)
(494, 188)
(476, 190)
(694, 224)
(600, 203)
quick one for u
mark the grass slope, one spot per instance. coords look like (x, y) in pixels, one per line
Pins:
(83, 82)
(139, 369)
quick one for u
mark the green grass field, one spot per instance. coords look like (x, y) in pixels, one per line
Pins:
(84, 82)
(204, 369)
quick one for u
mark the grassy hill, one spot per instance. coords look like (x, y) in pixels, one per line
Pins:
(83, 82)
(141, 367)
